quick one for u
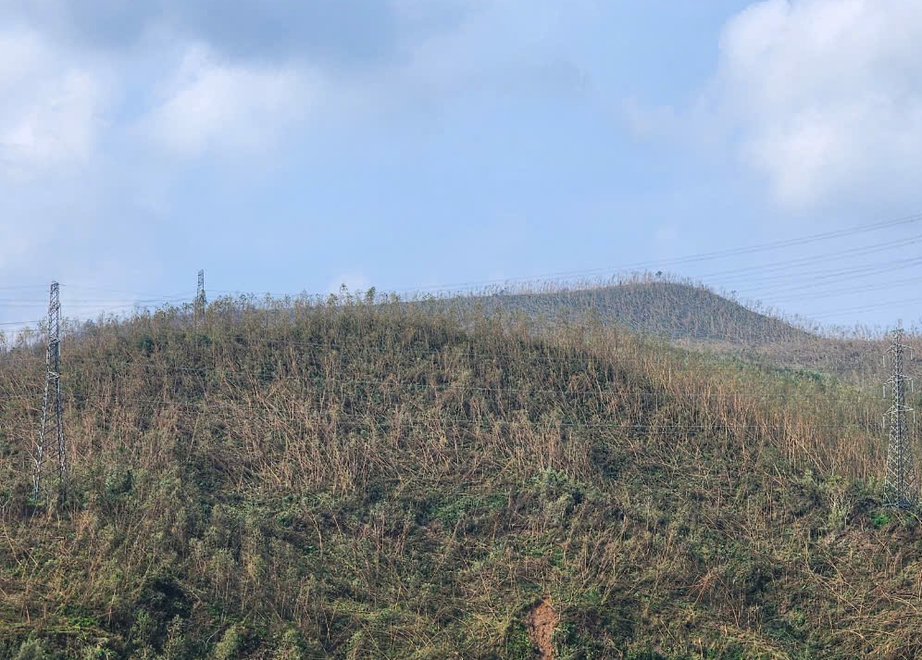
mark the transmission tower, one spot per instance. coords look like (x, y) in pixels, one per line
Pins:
(200, 300)
(49, 407)
(900, 491)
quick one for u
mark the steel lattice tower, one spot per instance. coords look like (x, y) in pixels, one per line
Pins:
(200, 301)
(900, 490)
(52, 390)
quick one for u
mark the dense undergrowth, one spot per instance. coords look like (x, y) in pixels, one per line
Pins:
(373, 481)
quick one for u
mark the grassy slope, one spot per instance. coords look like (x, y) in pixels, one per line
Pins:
(694, 317)
(373, 482)
(698, 318)
(661, 308)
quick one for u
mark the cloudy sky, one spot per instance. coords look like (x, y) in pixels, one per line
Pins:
(294, 145)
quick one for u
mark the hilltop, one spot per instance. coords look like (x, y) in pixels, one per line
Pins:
(376, 481)
(691, 316)
(658, 307)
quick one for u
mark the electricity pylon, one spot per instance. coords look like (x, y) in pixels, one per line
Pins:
(200, 301)
(900, 491)
(55, 407)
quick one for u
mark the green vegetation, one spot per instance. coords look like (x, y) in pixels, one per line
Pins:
(293, 480)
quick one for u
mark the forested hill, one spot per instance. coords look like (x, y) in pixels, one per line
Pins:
(662, 308)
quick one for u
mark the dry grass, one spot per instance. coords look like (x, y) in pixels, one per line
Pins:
(382, 481)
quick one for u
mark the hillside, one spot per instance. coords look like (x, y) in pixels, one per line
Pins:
(662, 308)
(695, 317)
(378, 482)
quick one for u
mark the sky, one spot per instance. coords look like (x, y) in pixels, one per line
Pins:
(291, 146)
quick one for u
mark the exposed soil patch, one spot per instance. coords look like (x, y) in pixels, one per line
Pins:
(541, 624)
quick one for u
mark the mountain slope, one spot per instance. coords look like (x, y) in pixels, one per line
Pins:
(658, 307)
(376, 482)
(696, 317)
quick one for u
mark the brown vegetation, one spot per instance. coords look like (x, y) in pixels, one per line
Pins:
(379, 481)
(655, 306)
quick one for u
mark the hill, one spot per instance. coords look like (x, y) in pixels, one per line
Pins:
(373, 481)
(695, 317)
(663, 308)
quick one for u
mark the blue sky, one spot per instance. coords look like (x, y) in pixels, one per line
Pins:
(293, 145)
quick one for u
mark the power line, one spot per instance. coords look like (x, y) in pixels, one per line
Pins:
(457, 287)
(151, 296)
(872, 306)
(10, 323)
(748, 272)
(755, 270)
(807, 280)
(862, 288)
(696, 258)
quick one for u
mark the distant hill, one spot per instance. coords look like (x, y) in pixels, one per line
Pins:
(668, 309)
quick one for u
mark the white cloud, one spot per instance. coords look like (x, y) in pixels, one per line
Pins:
(52, 115)
(58, 98)
(502, 47)
(825, 95)
(821, 98)
(53, 107)
(208, 105)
